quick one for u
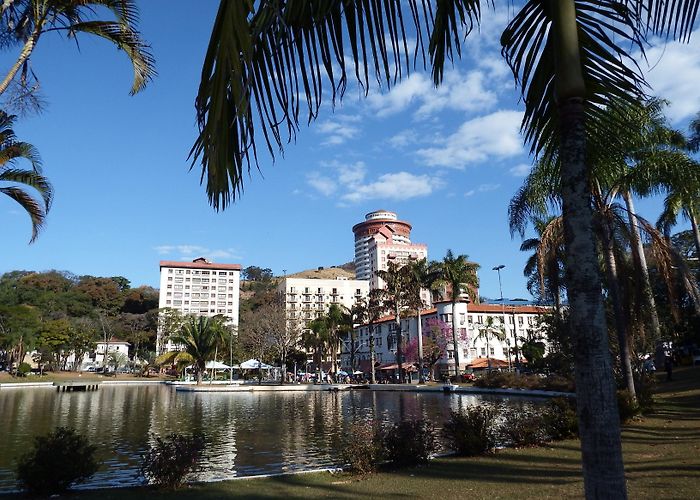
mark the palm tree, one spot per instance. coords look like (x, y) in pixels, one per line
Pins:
(424, 275)
(458, 274)
(374, 312)
(11, 150)
(265, 58)
(490, 330)
(200, 337)
(28, 20)
(339, 321)
(396, 292)
(544, 267)
(316, 338)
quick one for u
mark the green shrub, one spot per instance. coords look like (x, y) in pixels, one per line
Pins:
(503, 380)
(472, 431)
(362, 448)
(57, 461)
(627, 407)
(645, 392)
(409, 442)
(23, 369)
(559, 419)
(171, 459)
(521, 427)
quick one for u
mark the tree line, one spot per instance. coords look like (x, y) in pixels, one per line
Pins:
(56, 313)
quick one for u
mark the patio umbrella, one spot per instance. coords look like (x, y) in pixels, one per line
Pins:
(252, 364)
(216, 365)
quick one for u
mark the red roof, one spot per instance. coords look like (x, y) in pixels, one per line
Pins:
(200, 265)
(484, 363)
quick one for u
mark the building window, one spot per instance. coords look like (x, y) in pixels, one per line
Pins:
(483, 351)
(170, 271)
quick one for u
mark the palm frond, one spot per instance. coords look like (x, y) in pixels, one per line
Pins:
(605, 30)
(128, 40)
(36, 210)
(263, 56)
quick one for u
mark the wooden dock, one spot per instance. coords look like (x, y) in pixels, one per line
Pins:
(75, 386)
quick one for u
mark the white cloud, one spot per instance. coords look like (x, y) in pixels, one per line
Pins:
(483, 188)
(348, 182)
(336, 133)
(675, 74)
(323, 184)
(458, 91)
(186, 252)
(491, 136)
(395, 186)
(403, 139)
(520, 170)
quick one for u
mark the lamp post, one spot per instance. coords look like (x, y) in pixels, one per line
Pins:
(503, 308)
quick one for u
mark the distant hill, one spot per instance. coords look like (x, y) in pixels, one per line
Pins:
(325, 273)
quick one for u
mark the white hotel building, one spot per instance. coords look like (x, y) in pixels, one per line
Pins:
(200, 287)
(309, 298)
(516, 320)
(380, 238)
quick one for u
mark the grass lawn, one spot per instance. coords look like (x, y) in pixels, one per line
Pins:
(662, 460)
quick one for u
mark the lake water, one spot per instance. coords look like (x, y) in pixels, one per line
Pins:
(247, 433)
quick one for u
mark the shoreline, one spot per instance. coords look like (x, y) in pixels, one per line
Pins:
(226, 387)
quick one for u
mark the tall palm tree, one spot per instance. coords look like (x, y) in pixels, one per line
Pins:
(265, 58)
(200, 337)
(339, 321)
(544, 267)
(458, 274)
(374, 312)
(12, 150)
(317, 338)
(27, 20)
(423, 275)
(396, 292)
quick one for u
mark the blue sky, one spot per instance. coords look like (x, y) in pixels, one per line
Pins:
(447, 160)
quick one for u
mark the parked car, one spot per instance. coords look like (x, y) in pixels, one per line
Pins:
(696, 357)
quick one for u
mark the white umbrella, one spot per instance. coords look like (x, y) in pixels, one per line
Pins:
(252, 364)
(357, 372)
(216, 365)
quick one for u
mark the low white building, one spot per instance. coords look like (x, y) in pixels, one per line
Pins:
(473, 318)
(96, 358)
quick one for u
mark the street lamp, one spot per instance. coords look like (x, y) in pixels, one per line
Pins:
(503, 308)
(500, 288)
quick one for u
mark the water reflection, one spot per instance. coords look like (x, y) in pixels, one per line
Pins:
(247, 433)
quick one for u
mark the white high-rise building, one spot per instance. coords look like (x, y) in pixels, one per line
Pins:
(200, 287)
(309, 298)
(382, 238)
(365, 232)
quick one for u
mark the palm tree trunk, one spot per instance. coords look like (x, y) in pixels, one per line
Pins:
(638, 251)
(372, 376)
(621, 324)
(454, 331)
(696, 231)
(599, 421)
(23, 56)
(399, 347)
(421, 378)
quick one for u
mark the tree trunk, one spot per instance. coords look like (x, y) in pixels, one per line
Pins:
(199, 376)
(373, 377)
(399, 347)
(352, 350)
(454, 331)
(23, 56)
(638, 251)
(599, 421)
(421, 377)
(621, 323)
(696, 232)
